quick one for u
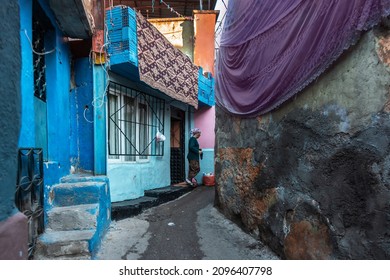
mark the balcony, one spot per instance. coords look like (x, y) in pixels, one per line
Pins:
(73, 17)
(138, 51)
(121, 41)
(206, 89)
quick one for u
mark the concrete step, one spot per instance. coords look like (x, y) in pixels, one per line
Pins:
(167, 193)
(78, 217)
(75, 193)
(128, 208)
(64, 244)
(77, 178)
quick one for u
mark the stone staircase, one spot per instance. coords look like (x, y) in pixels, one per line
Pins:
(77, 215)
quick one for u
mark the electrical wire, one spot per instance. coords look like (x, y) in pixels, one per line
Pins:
(32, 47)
(85, 117)
(98, 102)
(169, 8)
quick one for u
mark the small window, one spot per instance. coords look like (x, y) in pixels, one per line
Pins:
(134, 120)
(41, 25)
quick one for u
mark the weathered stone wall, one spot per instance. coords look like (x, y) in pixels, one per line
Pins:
(312, 179)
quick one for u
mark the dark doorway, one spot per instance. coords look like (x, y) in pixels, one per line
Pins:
(177, 146)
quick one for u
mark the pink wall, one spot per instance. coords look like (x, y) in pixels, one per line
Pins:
(14, 238)
(204, 119)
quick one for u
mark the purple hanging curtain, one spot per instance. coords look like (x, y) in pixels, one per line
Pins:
(272, 49)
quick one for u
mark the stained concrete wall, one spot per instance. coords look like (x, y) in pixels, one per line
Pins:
(312, 178)
(13, 225)
(179, 32)
(9, 105)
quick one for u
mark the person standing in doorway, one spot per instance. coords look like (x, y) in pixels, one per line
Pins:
(194, 153)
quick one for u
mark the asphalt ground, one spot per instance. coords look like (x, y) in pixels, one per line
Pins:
(188, 228)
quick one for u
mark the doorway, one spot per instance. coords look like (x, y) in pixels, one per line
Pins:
(177, 145)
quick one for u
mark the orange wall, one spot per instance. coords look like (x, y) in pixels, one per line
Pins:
(204, 50)
(204, 25)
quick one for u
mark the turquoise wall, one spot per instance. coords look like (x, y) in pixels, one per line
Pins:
(130, 180)
(99, 121)
(206, 164)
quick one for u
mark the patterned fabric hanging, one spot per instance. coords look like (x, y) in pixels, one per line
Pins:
(164, 67)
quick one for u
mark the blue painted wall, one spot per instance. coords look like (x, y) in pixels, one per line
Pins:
(81, 117)
(40, 109)
(58, 109)
(27, 131)
(99, 120)
(58, 87)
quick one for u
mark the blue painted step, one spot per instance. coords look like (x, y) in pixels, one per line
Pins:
(77, 215)
(67, 194)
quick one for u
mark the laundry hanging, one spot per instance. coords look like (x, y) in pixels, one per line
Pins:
(164, 67)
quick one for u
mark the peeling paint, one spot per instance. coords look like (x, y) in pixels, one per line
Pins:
(308, 240)
(383, 50)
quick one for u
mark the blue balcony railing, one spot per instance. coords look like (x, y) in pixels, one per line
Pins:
(206, 89)
(121, 40)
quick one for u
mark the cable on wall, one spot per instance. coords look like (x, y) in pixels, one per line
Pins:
(32, 47)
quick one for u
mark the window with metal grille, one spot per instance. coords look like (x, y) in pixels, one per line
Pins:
(134, 120)
(40, 27)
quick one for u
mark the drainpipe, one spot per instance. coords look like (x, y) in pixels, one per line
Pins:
(99, 85)
(200, 4)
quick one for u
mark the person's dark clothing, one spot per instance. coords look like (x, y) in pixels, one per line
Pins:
(193, 158)
(193, 149)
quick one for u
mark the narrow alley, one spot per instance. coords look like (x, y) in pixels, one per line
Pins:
(188, 228)
(112, 110)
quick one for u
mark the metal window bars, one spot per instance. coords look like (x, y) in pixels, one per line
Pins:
(134, 120)
(40, 27)
(29, 192)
